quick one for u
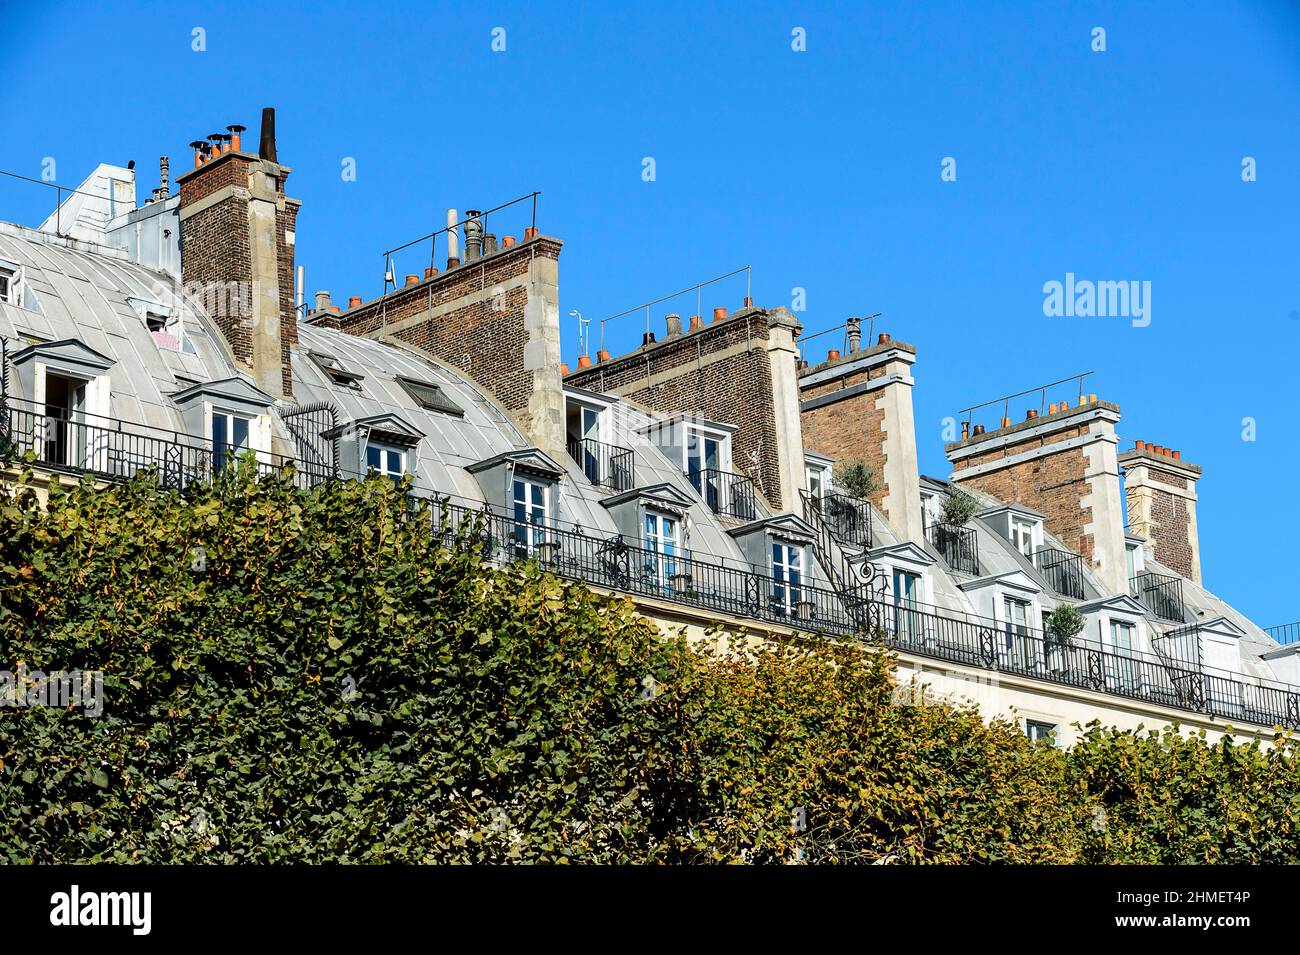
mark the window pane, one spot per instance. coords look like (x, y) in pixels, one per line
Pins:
(219, 430)
(239, 431)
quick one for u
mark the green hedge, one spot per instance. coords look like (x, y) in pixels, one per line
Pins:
(328, 684)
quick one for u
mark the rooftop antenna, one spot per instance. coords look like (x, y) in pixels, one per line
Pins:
(584, 331)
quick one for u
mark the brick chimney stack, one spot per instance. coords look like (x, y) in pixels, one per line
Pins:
(1063, 464)
(858, 407)
(1160, 488)
(237, 244)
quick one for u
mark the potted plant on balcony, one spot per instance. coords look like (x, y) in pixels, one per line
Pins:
(1061, 627)
(857, 479)
(959, 507)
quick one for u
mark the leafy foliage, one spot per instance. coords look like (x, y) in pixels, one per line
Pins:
(857, 479)
(959, 507)
(1064, 623)
(332, 683)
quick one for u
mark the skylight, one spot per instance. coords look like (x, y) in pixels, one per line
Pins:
(430, 397)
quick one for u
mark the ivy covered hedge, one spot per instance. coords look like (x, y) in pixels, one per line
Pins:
(305, 675)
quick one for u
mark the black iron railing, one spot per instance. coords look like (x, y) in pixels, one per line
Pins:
(606, 465)
(1161, 594)
(627, 567)
(957, 545)
(74, 442)
(116, 450)
(1285, 632)
(953, 636)
(847, 518)
(1086, 665)
(726, 493)
(1062, 570)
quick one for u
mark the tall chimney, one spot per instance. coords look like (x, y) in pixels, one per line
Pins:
(861, 410)
(1160, 492)
(238, 238)
(322, 301)
(267, 147)
(453, 240)
(1065, 466)
(855, 334)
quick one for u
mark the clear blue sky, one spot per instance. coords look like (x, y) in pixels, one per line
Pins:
(820, 168)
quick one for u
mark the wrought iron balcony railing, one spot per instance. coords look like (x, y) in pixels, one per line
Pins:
(848, 519)
(933, 632)
(606, 465)
(1285, 633)
(1062, 570)
(1161, 594)
(957, 545)
(74, 442)
(990, 645)
(726, 493)
(116, 450)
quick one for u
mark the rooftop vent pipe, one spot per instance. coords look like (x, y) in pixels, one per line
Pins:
(453, 240)
(235, 129)
(266, 149)
(473, 235)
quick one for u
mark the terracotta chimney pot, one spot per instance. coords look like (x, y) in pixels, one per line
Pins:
(883, 338)
(564, 369)
(602, 355)
(696, 323)
(530, 233)
(354, 301)
(832, 354)
(719, 313)
(508, 242)
(412, 280)
(584, 361)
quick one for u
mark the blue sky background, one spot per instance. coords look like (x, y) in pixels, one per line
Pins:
(821, 169)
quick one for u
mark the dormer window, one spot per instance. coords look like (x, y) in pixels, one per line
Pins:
(11, 276)
(663, 545)
(1022, 535)
(229, 437)
(818, 472)
(386, 460)
(530, 511)
(788, 580)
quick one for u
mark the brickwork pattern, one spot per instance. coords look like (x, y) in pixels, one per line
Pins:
(1054, 484)
(733, 389)
(850, 429)
(216, 251)
(484, 336)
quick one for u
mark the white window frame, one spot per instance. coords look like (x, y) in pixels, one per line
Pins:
(824, 476)
(661, 536)
(697, 434)
(1034, 728)
(385, 449)
(219, 459)
(1025, 535)
(787, 565)
(1122, 665)
(527, 526)
(907, 619)
(1018, 641)
(13, 275)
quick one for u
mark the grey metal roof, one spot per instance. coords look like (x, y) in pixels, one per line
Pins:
(83, 294)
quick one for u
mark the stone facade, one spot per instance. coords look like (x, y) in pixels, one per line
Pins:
(1161, 498)
(236, 230)
(858, 407)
